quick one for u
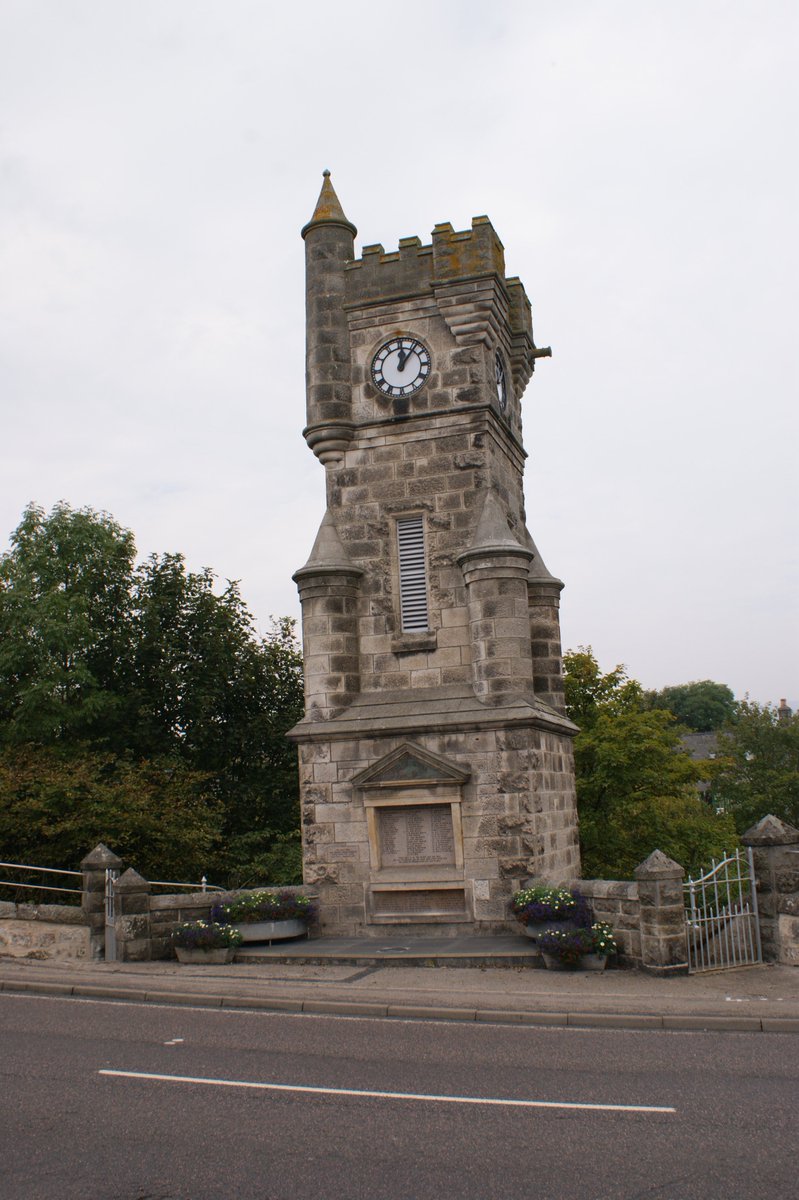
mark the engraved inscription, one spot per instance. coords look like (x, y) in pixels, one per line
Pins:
(416, 836)
(419, 903)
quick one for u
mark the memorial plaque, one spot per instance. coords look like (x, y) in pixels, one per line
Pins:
(420, 903)
(416, 836)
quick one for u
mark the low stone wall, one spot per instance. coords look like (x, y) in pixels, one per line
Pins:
(145, 920)
(44, 931)
(647, 915)
(169, 911)
(618, 904)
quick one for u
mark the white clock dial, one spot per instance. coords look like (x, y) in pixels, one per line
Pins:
(400, 366)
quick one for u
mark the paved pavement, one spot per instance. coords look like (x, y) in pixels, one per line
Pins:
(758, 999)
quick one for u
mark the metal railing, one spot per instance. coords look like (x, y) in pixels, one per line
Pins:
(39, 887)
(721, 917)
(202, 886)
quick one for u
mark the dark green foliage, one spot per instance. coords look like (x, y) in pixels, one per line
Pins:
(756, 770)
(636, 787)
(262, 856)
(55, 805)
(111, 672)
(65, 629)
(700, 706)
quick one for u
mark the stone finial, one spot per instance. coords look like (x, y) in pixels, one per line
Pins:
(100, 858)
(131, 881)
(328, 209)
(770, 831)
(539, 574)
(328, 553)
(493, 535)
(659, 866)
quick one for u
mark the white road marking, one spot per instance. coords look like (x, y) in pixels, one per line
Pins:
(328, 1091)
(173, 1042)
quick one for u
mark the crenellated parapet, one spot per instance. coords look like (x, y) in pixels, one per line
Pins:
(461, 276)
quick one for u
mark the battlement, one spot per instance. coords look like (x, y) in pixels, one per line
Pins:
(413, 268)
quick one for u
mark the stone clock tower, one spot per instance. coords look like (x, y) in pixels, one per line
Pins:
(436, 765)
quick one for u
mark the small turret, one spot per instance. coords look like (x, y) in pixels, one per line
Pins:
(495, 569)
(328, 587)
(329, 246)
(543, 594)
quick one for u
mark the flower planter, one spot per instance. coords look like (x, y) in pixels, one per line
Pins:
(586, 962)
(272, 931)
(222, 954)
(556, 964)
(536, 929)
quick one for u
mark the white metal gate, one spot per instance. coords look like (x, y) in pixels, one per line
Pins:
(111, 873)
(721, 921)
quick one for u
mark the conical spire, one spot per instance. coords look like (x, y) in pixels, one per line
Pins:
(539, 572)
(328, 209)
(328, 553)
(493, 532)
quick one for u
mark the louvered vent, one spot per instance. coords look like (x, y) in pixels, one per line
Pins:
(412, 573)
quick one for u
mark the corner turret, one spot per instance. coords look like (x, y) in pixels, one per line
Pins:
(329, 246)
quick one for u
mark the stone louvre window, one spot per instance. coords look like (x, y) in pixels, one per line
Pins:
(412, 574)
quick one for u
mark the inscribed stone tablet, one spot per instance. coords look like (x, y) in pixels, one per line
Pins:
(430, 902)
(416, 836)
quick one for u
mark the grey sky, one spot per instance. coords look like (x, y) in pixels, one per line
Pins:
(639, 161)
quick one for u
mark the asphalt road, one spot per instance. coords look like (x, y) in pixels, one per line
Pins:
(115, 1101)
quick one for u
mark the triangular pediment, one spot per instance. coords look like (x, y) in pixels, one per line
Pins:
(411, 764)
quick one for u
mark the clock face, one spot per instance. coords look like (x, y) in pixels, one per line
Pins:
(502, 386)
(400, 366)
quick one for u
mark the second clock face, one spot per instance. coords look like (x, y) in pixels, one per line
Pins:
(501, 381)
(400, 366)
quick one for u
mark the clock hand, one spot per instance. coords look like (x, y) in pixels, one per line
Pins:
(403, 358)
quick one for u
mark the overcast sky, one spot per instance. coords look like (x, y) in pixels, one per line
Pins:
(639, 161)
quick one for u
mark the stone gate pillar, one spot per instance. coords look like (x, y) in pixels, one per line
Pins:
(664, 947)
(775, 846)
(93, 868)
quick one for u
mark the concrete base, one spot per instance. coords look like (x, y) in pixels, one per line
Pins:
(465, 951)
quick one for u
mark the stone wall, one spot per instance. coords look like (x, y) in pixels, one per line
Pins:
(517, 814)
(647, 915)
(618, 904)
(44, 931)
(166, 912)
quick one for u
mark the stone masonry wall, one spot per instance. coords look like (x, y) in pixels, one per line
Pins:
(44, 931)
(517, 813)
(169, 911)
(618, 904)
(442, 475)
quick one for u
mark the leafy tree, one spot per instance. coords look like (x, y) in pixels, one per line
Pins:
(116, 667)
(589, 693)
(56, 805)
(636, 787)
(756, 770)
(65, 596)
(212, 692)
(701, 706)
